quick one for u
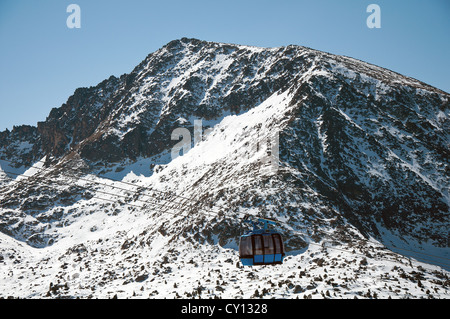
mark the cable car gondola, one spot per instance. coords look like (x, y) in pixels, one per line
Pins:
(261, 246)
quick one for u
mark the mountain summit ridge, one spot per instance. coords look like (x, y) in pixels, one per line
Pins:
(77, 111)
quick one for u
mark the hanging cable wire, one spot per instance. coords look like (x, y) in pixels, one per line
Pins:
(234, 217)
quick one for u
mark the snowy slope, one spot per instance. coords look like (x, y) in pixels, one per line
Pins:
(361, 190)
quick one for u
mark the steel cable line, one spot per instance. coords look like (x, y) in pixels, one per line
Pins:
(217, 213)
(103, 192)
(279, 222)
(137, 186)
(59, 183)
(176, 214)
(127, 190)
(117, 187)
(186, 198)
(153, 190)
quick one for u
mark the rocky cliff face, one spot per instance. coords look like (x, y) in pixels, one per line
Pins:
(363, 152)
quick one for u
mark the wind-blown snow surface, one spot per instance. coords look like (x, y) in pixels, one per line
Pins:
(354, 139)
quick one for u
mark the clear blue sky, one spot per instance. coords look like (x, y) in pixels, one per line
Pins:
(42, 61)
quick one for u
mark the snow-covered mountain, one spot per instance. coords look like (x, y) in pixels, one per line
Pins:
(94, 205)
